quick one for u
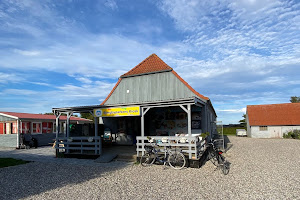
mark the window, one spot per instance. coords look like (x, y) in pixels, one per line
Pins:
(47, 127)
(36, 127)
(26, 127)
(263, 128)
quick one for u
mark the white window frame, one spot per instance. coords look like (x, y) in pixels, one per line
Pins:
(263, 128)
(41, 131)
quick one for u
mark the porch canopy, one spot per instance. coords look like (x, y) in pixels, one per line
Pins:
(185, 104)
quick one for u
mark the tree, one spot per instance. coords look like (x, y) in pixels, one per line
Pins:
(48, 113)
(243, 121)
(87, 116)
(295, 99)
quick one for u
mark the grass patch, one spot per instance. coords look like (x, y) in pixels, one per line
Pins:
(6, 162)
(231, 130)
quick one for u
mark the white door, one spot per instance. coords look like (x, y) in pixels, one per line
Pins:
(275, 132)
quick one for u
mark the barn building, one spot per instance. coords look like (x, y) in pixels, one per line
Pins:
(149, 100)
(273, 120)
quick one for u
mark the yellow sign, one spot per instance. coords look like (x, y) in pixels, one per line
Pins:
(117, 112)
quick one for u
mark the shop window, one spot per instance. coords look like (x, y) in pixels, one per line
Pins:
(7, 128)
(47, 127)
(36, 127)
(26, 127)
(263, 128)
(50, 127)
(14, 128)
(44, 127)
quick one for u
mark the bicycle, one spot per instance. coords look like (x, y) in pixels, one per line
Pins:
(216, 157)
(175, 159)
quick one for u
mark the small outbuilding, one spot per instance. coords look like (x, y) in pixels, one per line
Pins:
(40, 126)
(273, 120)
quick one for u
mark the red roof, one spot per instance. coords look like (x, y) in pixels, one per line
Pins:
(274, 114)
(152, 64)
(41, 116)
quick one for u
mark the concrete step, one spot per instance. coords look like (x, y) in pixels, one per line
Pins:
(105, 158)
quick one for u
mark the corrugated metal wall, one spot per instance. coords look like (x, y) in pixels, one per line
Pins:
(149, 88)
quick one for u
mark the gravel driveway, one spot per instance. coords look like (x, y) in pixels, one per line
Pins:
(260, 169)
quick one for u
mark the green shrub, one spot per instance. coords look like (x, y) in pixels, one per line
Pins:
(294, 134)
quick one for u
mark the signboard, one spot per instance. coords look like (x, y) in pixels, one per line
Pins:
(117, 112)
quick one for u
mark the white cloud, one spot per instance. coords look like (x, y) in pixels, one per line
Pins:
(40, 83)
(101, 56)
(27, 53)
(111, 4)
(242, 110)
(84, 80)
(20, 92)
(9, 77)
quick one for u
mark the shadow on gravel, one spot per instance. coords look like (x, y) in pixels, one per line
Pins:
(30, 179)
(227, 143)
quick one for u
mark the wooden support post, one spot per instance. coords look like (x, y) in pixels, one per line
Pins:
(68, 125)
(189, 128)
(68, 129)
(57, 115)
(96, 121)
(18, 132)
(203, 119)
(21, 130)
(189, 120)
(142, 130)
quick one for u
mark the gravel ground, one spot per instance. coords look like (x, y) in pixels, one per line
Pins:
(260, 169)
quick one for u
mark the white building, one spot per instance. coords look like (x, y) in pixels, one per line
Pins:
(273, 120)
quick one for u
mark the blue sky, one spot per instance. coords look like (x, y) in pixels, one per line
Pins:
(71, 53)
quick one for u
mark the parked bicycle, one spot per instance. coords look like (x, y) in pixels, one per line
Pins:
(216, 157)
(174, 158)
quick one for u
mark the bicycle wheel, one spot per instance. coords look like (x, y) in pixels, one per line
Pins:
(225, 168)
(224, 165)
(147, 159)
(212, 156)
(176, 160)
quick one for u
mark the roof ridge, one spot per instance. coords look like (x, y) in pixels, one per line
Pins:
(138, 64)
(20, 113)
(153, 55)
(274, 104)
